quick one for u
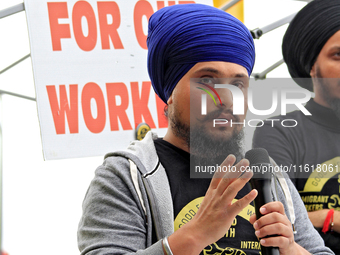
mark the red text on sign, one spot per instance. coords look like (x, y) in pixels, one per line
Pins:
(67, 107)
(108, 27)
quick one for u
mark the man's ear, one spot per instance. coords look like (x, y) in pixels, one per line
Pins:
(313, 71)
(169, 100)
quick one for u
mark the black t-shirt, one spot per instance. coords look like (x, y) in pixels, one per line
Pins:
(311, 151)
(187, 194)
(315, 141)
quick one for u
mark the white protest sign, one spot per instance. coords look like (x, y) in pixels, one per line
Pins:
(90, 73)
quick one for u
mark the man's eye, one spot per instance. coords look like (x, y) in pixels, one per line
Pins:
(209, 81)
(238, 84)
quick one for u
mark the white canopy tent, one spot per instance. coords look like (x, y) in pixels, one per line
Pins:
(41, 200)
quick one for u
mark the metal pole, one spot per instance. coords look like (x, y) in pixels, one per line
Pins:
(16, 95)
(12, 10)
(258, 32)
(262, 76)
(14, 64)
(278, 23)
(229, 4)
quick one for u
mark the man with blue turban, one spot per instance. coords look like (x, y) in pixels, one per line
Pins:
(143, 201)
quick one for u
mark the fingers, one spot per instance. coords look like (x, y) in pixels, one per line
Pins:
(238, 206)
(273, 213)
(272, 207)
(277, 241)
(228, 163)
(229, 188)
(216, 212)
(273, 228)
(234, 180)
(266, 209)
(230, 180)
(227, 183)
(230, 192)
(252, 219)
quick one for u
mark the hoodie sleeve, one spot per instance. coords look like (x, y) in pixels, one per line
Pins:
(306, 235)
(113, 221)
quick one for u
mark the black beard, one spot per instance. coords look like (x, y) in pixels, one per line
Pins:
(206, 149)
(333, 102)
(180, 129)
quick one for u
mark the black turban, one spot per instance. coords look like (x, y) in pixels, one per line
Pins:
(306, 35)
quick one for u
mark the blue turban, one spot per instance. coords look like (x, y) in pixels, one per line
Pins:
(182, 35)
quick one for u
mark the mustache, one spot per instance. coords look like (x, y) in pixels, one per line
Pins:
(215, 114)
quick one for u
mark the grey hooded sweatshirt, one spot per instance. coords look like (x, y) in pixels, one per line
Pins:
(129, 201)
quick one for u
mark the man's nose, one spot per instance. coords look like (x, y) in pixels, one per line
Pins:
(226, 98)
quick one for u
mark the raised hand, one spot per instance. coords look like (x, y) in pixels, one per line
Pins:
(216, 213)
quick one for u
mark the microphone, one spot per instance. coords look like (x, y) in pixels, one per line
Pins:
(261, 181)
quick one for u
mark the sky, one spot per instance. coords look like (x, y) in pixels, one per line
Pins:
(42, 199)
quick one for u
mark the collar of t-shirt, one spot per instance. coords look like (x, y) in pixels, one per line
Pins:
(177, 167)
(323, 116)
